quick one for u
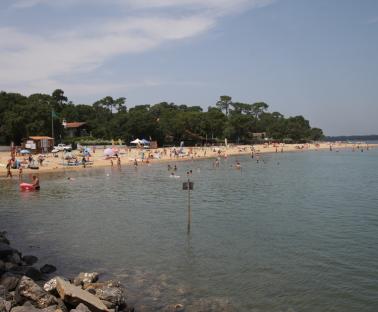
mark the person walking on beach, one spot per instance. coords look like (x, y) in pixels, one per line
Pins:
(118, 161)
(135, 163)
(20, 173)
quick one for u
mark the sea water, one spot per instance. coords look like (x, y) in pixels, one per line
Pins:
(292, 232)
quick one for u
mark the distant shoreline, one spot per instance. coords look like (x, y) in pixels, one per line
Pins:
(127, 157)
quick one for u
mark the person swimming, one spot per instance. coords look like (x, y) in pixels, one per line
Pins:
(172, 175)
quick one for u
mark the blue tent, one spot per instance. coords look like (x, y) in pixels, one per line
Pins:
(24, 151)
(144, 141)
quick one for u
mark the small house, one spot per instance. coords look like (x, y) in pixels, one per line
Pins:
(39, 144)
(75, 129)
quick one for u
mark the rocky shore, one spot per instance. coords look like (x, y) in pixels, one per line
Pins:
(26, 286)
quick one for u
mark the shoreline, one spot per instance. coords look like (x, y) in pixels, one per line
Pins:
(127, 156)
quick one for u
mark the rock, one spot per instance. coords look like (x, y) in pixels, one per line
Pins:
(27, 307)
(2, 267)
(9, 281)
(81, 308)
(74, 295)
(27, 289)
(28, 271)
(3, 238)
(110, 283)
(5, 306)
(83, 278)
(5, 250)
(9, 265)
(52, 308)
(50, 285)
(114, 295)
(14, 258)
(47, 269)
(29, 260)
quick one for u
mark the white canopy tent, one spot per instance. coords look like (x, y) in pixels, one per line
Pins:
(136, 141)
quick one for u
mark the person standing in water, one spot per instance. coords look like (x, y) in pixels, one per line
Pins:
(35, 183)
(9, 172)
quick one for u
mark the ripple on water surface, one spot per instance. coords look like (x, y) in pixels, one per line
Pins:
(295, 232)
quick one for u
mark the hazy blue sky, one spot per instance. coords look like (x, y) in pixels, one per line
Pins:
(317, 58)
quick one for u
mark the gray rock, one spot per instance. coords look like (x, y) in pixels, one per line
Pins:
(5, 306)
(29, 260)
(83, 278)
(114, 295)
(52, 308)
(28, 271)
(81, 308)
(9, 265)
(28, 290)
(9, 281)
(14, 258)
(3, 238)
(48, 269)
(50, 285)
(5, 250)
(74, 295)
(27, 307)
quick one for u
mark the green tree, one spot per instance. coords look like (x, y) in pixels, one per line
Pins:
(224, 103)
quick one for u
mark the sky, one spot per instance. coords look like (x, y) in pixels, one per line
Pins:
(317, 58)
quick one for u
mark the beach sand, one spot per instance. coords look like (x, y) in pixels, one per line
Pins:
(128, 155)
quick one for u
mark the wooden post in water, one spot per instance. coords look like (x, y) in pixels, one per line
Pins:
(189, 208)
(188, 186)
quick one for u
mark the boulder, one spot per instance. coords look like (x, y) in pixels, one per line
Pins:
(9, 265)
(9, 281)
(5, 306)
(27, 307)
(114, 295)
(74, 295)
(5, 250)
(15, 257)
(110, 283)
(3, 238)
(28, 290)
(48, 269)
(28, 271)
(84, 278)
(50, 285)
(81, 308)
(29, 260)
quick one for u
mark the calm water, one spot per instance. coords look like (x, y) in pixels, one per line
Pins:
(297, 232)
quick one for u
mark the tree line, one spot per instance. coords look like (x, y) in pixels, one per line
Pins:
(167, 123)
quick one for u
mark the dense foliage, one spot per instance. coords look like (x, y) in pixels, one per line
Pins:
(168, 123)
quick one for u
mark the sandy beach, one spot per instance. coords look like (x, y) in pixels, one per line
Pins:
(150, 156)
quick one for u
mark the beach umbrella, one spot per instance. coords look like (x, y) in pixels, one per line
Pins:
(136, 141)
(24, 151)
(108, 152)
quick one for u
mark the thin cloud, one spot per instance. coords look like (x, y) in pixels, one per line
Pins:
(46, 58)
